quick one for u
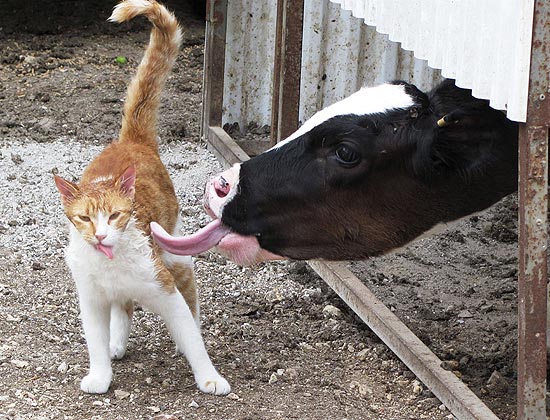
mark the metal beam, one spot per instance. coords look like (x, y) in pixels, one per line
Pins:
(533, 218)
(214, 64)
(287, 69)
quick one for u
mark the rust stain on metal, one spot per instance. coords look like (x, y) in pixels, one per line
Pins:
(533, 215)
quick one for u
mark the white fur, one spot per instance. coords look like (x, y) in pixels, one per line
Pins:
(370, 100)
(102, 179)
(140, 7)
(104, 286)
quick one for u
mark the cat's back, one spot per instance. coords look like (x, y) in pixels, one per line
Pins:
(155, 198)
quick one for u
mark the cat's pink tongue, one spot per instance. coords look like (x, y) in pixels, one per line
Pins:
(200, 241)
(107, 250)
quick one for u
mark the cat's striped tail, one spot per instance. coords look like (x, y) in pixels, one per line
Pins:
(139, 123)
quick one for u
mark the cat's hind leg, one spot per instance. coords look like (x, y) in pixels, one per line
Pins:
(121, 322)
(181, 268)
(171, 306)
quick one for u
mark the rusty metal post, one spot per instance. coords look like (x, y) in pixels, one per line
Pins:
(533, 240)
(287, 69)
(214, 65)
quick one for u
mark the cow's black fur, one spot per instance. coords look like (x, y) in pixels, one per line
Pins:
(304, 201)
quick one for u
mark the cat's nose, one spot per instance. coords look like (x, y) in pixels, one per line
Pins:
(100, 237)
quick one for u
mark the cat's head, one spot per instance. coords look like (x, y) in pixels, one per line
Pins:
(100, 210)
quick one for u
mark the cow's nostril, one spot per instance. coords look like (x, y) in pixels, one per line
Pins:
(222, 187)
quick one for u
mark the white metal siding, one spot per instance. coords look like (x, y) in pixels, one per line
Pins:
(484, 44)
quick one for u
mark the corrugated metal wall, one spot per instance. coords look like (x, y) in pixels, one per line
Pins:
(249, 54)
(340, 54)
(484, 45)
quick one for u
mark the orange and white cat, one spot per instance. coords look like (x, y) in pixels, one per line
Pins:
(111, 256)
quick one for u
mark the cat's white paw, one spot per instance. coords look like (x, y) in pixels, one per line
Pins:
(213, 384)
(96, 384)
(117, 350)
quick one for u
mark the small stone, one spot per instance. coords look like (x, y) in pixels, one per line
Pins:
(273, 378)
(148, 380)
(465, 314)
(120, 394)
(496, 383)
(154, 408)
(291, 373)
(233, 396)
(274, 296)
(450, 365)
(417, 388)
(165, 417)
(63, 367)
(15, 158)
(280, 372)
(332, 311)
(305, 346)
(36, 266)
(30, 60)
(97, 403)
(193, 404)
(362, 389)
(362, 355)
(20, 363)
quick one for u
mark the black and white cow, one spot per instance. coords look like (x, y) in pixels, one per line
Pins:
(361, 177)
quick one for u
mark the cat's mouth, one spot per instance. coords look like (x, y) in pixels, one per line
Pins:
(104, 249)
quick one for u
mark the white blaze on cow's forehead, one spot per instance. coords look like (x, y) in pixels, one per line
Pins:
(371, 100)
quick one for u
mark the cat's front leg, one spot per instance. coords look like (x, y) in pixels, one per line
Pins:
(121, 321)
(95, 313)
(185, 332)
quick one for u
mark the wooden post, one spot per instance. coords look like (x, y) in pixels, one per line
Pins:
(287, 69)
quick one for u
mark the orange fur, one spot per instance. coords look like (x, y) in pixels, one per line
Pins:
(100, 186)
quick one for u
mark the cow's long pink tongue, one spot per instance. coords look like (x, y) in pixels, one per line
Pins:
(198, 242)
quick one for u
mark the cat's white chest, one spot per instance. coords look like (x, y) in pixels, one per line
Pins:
(129, 274)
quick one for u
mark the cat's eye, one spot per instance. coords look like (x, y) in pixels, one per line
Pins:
(84, 218)
(114, 216)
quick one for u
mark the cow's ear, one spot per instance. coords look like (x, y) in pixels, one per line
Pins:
(420, 99)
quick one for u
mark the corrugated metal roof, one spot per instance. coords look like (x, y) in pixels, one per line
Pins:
(340, 55)
(484, 45)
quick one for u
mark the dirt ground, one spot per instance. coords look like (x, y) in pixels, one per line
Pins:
(289, 347)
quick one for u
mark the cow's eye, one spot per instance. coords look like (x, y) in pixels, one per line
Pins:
(347, 155)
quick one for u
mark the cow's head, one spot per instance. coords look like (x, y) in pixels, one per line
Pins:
(361, 177)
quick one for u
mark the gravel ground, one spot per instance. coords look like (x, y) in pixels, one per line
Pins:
(289, 347)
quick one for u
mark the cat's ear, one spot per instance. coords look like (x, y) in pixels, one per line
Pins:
(127, 182)
(67, 189)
